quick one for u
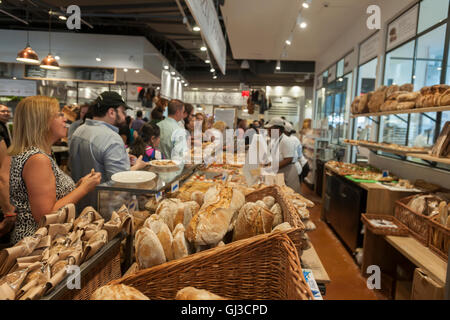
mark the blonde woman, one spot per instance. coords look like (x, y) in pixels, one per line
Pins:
(37, 184)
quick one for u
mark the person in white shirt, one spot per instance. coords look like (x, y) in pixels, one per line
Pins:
(300, 161)
(283, 153)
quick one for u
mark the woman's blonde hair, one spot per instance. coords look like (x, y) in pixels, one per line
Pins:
(220, 125)
(32, 123)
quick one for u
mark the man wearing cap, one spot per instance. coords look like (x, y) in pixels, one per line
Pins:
(97, 144)
(283, 153)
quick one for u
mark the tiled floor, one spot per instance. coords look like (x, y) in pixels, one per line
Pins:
(346, 280)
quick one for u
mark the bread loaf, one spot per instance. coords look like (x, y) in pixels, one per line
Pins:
(210, 224)
(168, 209)
(444, 99)
(197, 196)
(408, 97)
(392, 89)
(285, 226)
(396, 94)
(184, 216)
(118, 292)
(363, 106)
(148, 249)
(354, 106)
(269, 201)
(406, 105)
(389, 105)
(377, 99)
(277, 215)
(309, 225)
(164, 235)
(407, 87)
(191, 293)
(261, 204)
(252, 221)
(180, 247)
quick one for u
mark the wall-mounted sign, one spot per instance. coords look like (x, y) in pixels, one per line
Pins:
(349, 62)
(17, 88)
(84, 74)
(205, 16)
(403, 28)
(370, 48)
(332, 73)
(319, 83)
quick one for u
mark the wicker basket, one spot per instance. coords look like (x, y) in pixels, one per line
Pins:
(400, 231)
(289, 213)
(417, 223)
(264, 267)
(439, 238)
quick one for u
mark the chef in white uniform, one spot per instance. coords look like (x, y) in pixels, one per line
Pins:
(283, 152)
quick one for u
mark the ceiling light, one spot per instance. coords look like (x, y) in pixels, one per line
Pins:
(303, 25)
(214, 77)
(203, 48)
(62, 18)
(196, 28)
(245, 110)
(194, 88)
(278, 67)
(158, 88)
(207, 61)
(182, 81)
(341, 79)
(306, 4)
(28, 55)
(137, 70)
(178, 78)
(166, 67)
(289, 40)
(98, 59)
(301, 22)
(245, 65)
(212, 70)
(57, 58)
(14, 78)
(172, 73)
(439, 69)
(49, 63)
(185, 84)
(209, 89)
(125, 70)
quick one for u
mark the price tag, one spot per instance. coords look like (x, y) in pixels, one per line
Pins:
(224, 176)
(175, 186)
(159, 196)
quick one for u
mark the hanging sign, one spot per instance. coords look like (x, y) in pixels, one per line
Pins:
(205, 15)
(17, 88)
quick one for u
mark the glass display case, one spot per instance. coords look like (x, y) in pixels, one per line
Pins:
(111, 195)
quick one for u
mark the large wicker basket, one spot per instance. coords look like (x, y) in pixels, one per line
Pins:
(264, 267)
(417, 223)
(439, 238)
(400, 231)
(289, 213)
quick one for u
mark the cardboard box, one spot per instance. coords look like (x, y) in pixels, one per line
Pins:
(425, 288)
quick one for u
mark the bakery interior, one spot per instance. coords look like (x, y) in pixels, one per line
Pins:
(364, 86)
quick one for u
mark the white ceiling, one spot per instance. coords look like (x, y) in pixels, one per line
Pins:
(257, 29)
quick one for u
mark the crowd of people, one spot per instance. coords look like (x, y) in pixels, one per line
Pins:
(104, 141)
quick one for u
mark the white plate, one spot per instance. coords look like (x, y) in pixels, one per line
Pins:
(133, 177)
(177, 163)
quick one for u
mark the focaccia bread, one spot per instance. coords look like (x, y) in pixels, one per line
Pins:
(191, 293)
(118, 292)
(252, 221)
(148, 249)
(211, 223)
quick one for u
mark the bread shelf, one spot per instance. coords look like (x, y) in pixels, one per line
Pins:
(427, 157)
(385, 149)
(386, 113)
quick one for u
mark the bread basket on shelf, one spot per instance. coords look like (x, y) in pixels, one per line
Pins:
(289, 213)
(438, 238)
(416, 223)
(400, 230)
(264, 267)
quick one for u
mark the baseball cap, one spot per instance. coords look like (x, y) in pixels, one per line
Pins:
(275, 122)
(110, 99)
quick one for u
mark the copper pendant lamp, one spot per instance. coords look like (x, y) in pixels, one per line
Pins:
(49, 62)
(28, 55)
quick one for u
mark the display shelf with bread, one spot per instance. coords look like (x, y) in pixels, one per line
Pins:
(396, 99)
(265, 267)
(388, 147)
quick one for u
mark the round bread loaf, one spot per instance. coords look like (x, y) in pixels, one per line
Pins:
(118, 292)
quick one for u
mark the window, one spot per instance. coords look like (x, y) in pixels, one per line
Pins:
(340, 69)
(394, 128)
(399, 65)
(367, 75)
(431, 13)
(429, 57)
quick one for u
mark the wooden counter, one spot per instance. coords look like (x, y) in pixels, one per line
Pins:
(310, 260)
